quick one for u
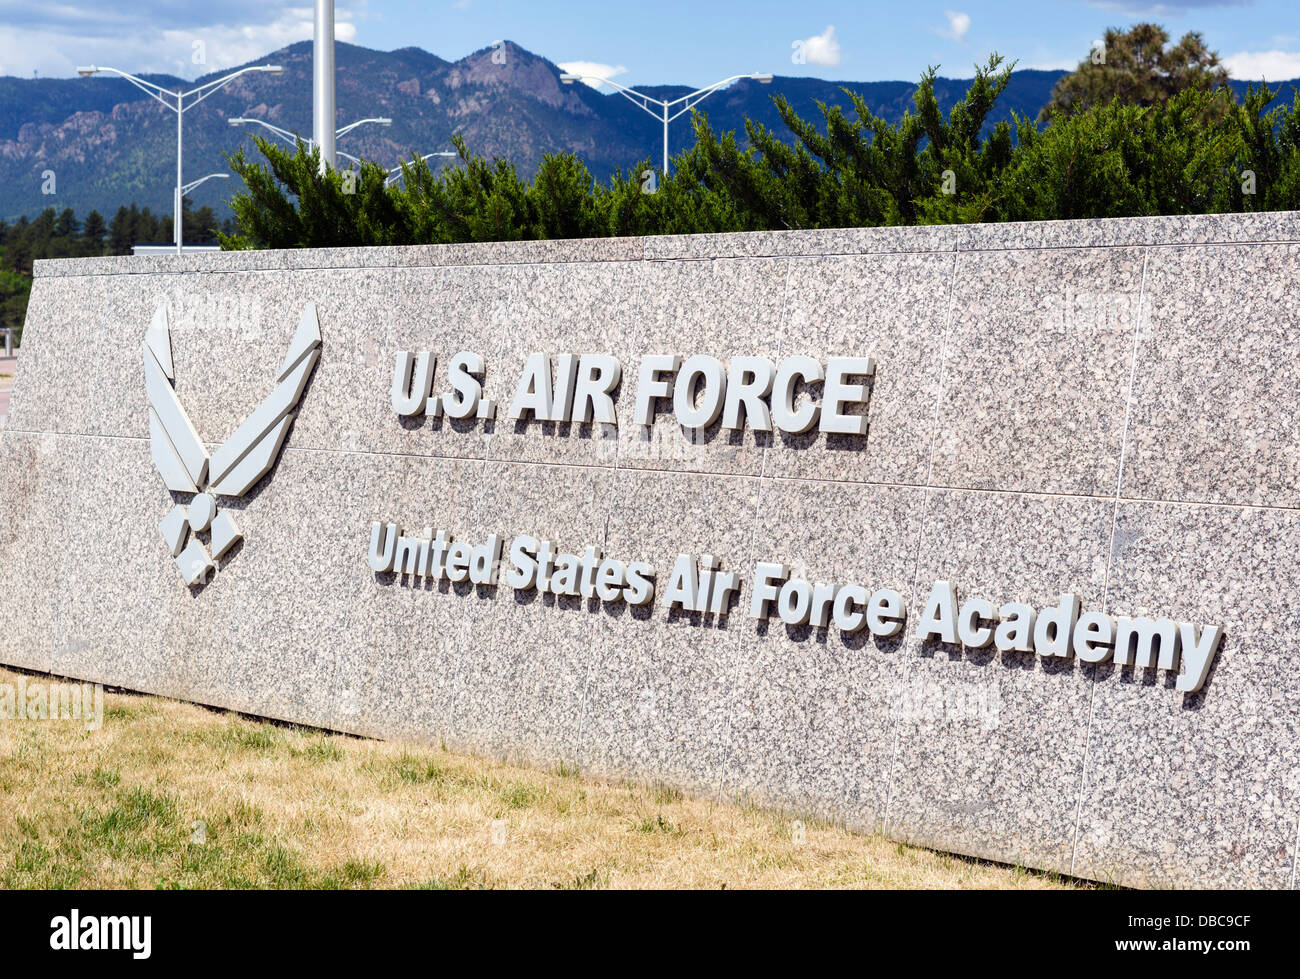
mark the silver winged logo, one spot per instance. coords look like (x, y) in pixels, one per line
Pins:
(234, 468)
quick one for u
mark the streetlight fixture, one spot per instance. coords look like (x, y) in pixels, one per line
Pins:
(182, 191)
(292, 138)
(378, 120)
(687, 102)
(395, 173)
(180, 103)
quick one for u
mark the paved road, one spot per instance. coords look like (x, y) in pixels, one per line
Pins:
(7, 366)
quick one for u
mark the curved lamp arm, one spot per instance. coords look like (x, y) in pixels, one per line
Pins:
(289, 136)
(639, 99)
(699, 95)
(149, 88)
(378, 120)
(212, 87)
(194, 183)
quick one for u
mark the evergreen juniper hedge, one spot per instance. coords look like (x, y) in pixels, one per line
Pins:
(1193, 153)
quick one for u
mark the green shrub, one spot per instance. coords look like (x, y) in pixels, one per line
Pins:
(1190, 154)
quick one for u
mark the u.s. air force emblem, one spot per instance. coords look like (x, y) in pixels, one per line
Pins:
(235, 467)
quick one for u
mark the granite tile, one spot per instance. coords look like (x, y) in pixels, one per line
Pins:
(537, 252)
(810, 716)
(827, 241)
(1169, 229)
(38, 500)
(1203, 789)
(1216, 400)
(392, 256)
(1177, 229)
(990, 745)
(1036, 371)
(118, 572)
(722, 308)
(522, 666)
(660, 680)
(73, 328)
(894, 308)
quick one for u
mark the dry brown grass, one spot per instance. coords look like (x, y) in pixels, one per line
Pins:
(285, 807)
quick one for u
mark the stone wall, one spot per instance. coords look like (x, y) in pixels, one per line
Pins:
(1103, 407)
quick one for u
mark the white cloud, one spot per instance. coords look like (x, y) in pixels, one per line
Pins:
(594, 68)
(822, 49)
(958, 25)
(154, 37)
(1273, 66)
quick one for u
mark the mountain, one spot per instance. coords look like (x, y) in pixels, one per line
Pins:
(108, 143)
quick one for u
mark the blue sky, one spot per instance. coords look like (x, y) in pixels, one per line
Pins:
(644, 41)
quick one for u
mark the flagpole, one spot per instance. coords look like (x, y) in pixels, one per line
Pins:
(323, 103)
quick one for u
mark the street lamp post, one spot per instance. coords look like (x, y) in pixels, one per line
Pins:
(665, 113)
(182, 191)
(194, 96)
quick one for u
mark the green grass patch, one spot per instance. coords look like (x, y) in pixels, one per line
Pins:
(521, 795)
(239, 737)
(414, 770)
(124, 715)
(665, 795)
(657, 824)
(176, 850)
(321, 749)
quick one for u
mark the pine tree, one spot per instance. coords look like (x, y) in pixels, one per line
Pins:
(92, 233)
(200, 225)
(1137, 67)
(120, 232)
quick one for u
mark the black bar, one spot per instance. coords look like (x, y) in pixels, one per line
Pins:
(557, 930)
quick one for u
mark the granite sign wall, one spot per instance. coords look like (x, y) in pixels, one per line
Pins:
(983, 537)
